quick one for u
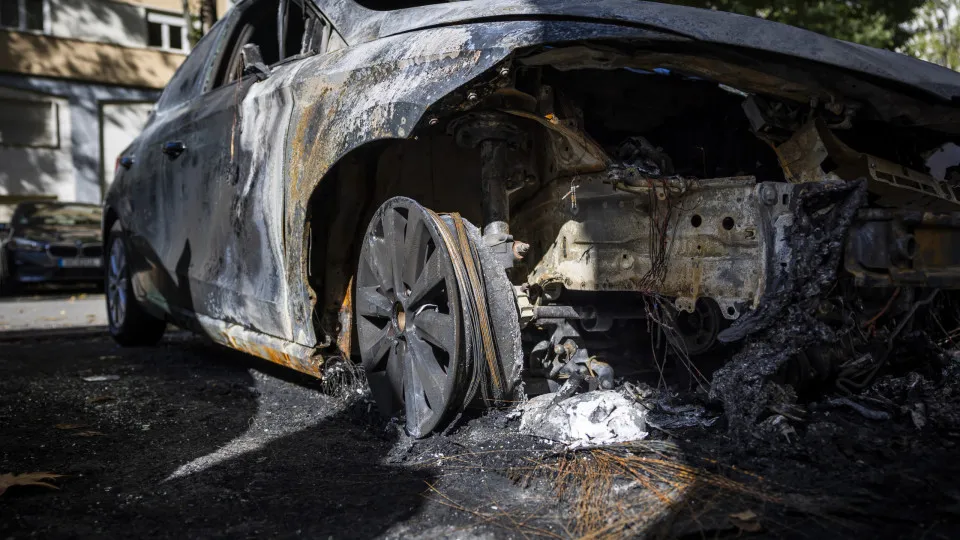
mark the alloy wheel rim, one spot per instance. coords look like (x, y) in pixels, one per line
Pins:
(408, 314)
(117, 277)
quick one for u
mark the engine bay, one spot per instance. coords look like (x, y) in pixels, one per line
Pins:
(754, 233)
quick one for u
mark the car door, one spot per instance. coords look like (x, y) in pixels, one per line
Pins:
(228, 258)
(147, 195)
(199, 173)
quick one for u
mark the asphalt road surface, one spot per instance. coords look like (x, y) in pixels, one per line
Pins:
(189, 439)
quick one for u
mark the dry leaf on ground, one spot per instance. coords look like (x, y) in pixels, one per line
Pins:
(746, 521)
(70, 426)
(27, 479)
(102, 378)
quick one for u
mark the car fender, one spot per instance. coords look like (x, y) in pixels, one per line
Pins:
(374, 91)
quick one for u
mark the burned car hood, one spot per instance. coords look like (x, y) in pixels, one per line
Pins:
(83, 234)
(716, 27)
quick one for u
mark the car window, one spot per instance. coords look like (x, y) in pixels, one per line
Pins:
(313, 34)
(186, 82)
(319, 35)
(263, 24)
(293, 24)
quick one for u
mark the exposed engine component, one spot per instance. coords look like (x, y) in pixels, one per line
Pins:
(815, 154)
(889, 248)
(695, 333)
(713, 251)
(680, 238)
(607, 249)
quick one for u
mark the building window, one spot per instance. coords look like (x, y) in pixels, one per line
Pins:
(166, 31)
(30, 123)
(24, 15)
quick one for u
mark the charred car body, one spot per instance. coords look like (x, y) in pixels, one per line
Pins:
(52, 242)
(632, 169)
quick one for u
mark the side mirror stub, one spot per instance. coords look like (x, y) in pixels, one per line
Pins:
(252, 61)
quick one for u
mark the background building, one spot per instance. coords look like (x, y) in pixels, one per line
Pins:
(77, 82)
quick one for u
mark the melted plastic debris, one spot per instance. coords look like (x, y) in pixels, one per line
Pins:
(785, 324)
(592, 418)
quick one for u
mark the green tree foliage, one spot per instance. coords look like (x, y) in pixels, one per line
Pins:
(199, 16)
(878, 23)
(936, 35)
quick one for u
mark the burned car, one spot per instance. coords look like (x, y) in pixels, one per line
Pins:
(51, 242)
(490, 199)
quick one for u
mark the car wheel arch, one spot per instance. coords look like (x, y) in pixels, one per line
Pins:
(343, 202)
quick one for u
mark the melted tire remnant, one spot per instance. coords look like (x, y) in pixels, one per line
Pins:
(785, 323)
(504, 318)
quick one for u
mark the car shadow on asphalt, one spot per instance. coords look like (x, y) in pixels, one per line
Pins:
(190, 439)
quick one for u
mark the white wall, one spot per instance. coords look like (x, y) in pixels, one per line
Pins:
(31, 170)
(99, 20)
(74, 170)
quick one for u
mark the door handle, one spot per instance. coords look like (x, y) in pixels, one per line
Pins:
(173, 149)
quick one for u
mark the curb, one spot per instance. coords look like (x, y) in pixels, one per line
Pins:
(45, 334)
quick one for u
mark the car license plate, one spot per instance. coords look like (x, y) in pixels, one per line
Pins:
(80, 262)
